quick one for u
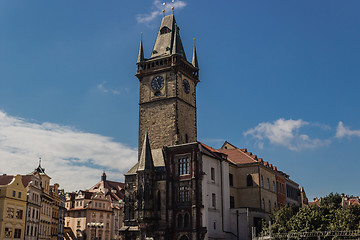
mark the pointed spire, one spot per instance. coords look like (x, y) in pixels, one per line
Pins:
(39, 168)
(174, 47)
(103, 176)
(168, 40)
(145, 160)
(141, 52)
(194, 58)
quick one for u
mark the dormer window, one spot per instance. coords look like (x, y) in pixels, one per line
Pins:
(165, 30)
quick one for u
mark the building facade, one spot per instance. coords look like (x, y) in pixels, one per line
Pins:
(33, 208)
(97, 212)
(12, 207)
(180, 188)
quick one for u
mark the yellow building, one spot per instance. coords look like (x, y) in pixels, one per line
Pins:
(12, 207)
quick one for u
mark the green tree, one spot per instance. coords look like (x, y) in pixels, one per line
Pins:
(329, 215)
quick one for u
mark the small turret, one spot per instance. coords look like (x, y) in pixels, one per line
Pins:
(194, 58)
(146, 160)
(141, 52)
(103, 177)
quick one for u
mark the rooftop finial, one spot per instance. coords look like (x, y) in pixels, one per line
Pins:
(39, 161)
(164, 9)
(173, 1)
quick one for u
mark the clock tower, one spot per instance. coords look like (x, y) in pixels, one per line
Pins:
(167, 105)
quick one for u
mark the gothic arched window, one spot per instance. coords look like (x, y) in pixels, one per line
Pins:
(269, 206)
(187, 220)
(180, 221)
(158, 200)
(165, 30)
(249, 180)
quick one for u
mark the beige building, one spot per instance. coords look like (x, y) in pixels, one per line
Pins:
(34, 192)
(255, 190)
(97, 212)
(12, 207)
(54, 192)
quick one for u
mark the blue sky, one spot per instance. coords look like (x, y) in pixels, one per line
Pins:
(280, 78)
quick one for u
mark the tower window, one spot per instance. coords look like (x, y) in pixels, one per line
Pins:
(263, 203)
(159, 200)
(269, 206)
(232, 202)
(274, 187)
(180, 220)
(214, 200)
(213, 174)
(165, 30)
(184, 195)
(186, 138)
(231, 179)
(249, 180)
(187, 220)
(184, 166)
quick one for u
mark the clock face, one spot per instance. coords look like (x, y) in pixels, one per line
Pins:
(157, 83)
(186, 86)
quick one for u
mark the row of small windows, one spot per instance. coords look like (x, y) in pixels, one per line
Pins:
(35, 197)
(14, 194)
(35, 213)
(269, 205)
(268, 183)
(279, 186)
(11, 213)
(184, 166)
(291, 192)
(184, 194)
(9, 233)
(183, 221)
(44, 230)
(31, 231)
(101, 215)
(46, 210)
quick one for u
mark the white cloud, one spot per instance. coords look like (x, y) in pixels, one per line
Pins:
(157, 10)
(72, 158)
(284, 132)
(103, 89)
(342, 131)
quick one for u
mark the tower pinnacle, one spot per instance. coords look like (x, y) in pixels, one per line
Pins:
(194, 58)
(141, 52)
(145, 160)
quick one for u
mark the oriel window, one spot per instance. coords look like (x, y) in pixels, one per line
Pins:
(184, 166)
(184, 195)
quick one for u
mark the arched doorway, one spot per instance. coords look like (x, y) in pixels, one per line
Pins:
(184, 237)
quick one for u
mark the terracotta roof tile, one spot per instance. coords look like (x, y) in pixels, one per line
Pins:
(5, 179)
(238, 156)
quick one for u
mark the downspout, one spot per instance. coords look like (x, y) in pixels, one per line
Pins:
(237, 222)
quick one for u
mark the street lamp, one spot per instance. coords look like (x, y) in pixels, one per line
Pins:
(95, 226)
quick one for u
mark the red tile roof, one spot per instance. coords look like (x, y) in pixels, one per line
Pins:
(5, 179)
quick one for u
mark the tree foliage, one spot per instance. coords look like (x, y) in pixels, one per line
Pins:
(329, 215)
